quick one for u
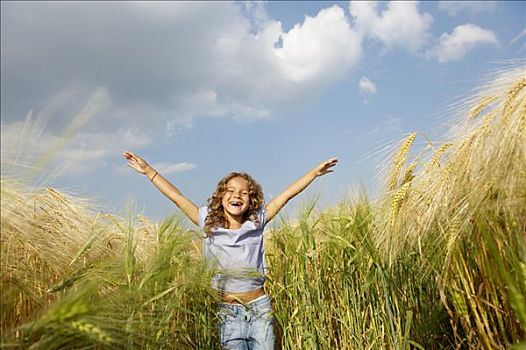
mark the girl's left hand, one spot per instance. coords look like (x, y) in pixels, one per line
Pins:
(136, 163)
(325, 167)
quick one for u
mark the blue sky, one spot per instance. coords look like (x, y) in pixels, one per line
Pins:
(202, 89)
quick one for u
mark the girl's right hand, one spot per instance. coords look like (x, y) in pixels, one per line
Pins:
(325, 167)
(136, 163)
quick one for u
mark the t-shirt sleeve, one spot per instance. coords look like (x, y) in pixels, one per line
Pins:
(203, 212)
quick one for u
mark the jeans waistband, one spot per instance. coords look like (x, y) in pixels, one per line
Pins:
(261, 302)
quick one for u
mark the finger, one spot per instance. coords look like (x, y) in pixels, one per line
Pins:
(330, 162)
(129, 155)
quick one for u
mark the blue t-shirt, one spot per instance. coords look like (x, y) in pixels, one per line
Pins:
(238, 255)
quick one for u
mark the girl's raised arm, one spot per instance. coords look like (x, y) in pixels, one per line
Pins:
(299, 185)
(137, 163)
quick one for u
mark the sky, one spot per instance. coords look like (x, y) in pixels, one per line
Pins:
(200, 89)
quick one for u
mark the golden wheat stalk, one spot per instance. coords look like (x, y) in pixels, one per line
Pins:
(399, 160)
(410, 173)
(485, 127)
(486, 101)
(452, 235)
(396, 201)
(512, 93)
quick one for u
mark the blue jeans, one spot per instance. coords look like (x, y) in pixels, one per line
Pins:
(248, 326)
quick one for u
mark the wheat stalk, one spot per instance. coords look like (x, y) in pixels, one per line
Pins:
(485, 124)
(475, 111)
(512, 93)
(396, 201)
(452, 235)
(399, 160)
(438, 154)
(409, 173)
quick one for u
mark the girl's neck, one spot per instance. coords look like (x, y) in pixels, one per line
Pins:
(235, 225)
(234, 222)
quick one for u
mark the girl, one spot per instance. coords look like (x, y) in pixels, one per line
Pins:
(233, 224)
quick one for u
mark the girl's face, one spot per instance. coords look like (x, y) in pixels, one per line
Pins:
(235, 198)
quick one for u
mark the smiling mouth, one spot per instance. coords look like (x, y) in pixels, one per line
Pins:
(236, 204)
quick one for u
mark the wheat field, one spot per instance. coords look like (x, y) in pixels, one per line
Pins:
(438, 261)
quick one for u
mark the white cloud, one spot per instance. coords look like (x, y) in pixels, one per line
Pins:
(195, 59)
(454, 46)
(255, 12)
(90, 150)
(400, 24)
(174, 168)
(367, 87)
(165, 64)
(321, 48)
(453, 8)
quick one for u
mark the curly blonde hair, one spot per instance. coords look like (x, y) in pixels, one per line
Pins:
(216, 216)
